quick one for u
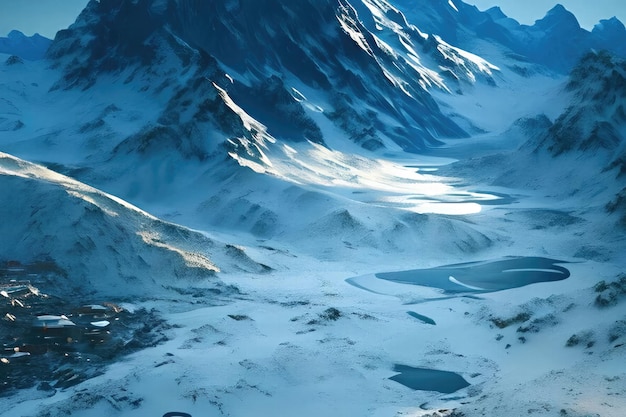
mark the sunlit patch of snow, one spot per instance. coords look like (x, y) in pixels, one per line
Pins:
(378, 181)
(378, 10)
(397, 82)
(385, 47)
(258, 159)
(454, 54)
(89, 199)
(249, 122)
(301, 98)
(428, 77)
(10, 165)
(249, 163)
(350, 27)
(192, 259)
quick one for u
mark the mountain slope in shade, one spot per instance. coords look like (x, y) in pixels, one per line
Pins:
(594, 126)
(26, 47)
(596, 118)
(580, 155)
(342, 53)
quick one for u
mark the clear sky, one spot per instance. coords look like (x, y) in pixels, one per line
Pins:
(45, 17)
(48, 16)
(588, 12)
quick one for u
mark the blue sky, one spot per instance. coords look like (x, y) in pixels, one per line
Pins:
(48, 16)
(45, 17)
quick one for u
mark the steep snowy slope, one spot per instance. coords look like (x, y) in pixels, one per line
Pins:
(594, 126)
(596, 117)
(102, 243)
(591, 133)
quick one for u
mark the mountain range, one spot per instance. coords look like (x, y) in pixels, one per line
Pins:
(247, 169)
(26, 47)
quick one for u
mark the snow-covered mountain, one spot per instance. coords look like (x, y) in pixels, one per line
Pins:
(594, 125)
(174, 114)
(26, 47)
(583, 147)
(296, 158)
(556, 41)
(274, 59)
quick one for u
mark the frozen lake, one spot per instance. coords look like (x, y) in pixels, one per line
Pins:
(483, 276)
(423, 379)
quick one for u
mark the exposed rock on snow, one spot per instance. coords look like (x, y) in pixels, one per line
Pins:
(264, 41)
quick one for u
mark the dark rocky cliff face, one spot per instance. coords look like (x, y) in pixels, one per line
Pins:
(270, 44)
(596, 120)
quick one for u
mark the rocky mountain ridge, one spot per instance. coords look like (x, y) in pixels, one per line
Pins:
(26, 47)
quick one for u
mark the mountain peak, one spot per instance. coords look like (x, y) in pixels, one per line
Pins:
(558, 8)
(496, 13)
(16, 34)
(612, 25)
(27, 47)
(559, 13)
(610, 34)
(558, 18)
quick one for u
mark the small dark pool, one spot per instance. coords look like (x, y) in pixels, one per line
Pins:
(422, 318)
(483, 276)
(423, 379)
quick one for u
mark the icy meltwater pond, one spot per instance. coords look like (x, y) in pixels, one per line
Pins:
(423, 379)
(473, 277)
(458, 279)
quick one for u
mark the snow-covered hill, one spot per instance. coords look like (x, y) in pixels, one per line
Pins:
(101, 243)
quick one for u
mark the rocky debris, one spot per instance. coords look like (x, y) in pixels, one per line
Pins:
(55, 342)
(611, 293)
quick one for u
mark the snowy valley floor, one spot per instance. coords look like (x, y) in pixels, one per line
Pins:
(303, 341)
